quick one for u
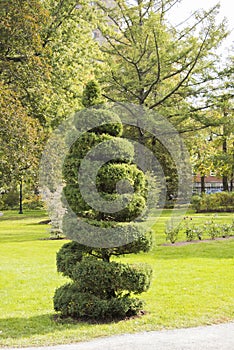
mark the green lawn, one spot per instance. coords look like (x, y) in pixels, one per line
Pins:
(192, 285)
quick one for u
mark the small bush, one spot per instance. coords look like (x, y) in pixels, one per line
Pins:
(212, 229)
(226, 230)
(171, 231)
(192, 231)
(33, 202)
(190, 234)
(218, 230)
(10, 199)
(196, 202)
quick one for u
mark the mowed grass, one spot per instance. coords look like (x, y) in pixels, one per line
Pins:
(192, 284)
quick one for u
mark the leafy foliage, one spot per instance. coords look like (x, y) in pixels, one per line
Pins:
(73, 303)
(20, 140)
(171, 231)
(46, 57)
(221, 201)
(101, 288)
(159, 65)
(91, 94)
(40, 57)
(169, 68)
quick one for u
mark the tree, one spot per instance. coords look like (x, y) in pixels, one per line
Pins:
(221, 132)
(101, 288)
(21, 140)
(223, 106)
(202, 151)
(224, 143)
(47, 55)
(212, 149)
(160, 66)
(23, 63)
(75, 58)
(23, 69)
(153, 63)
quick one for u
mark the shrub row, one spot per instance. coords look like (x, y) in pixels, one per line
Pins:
(215, 202)
(10, 200)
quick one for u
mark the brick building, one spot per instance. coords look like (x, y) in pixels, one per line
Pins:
(213, 184)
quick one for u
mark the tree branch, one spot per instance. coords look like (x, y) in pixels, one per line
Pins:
(127, 23)
(155, 82)
(53, 26)
(186, 76)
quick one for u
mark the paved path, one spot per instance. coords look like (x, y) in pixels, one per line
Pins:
(217, 337)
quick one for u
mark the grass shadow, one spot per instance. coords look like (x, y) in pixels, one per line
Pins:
(30, 214)
(16, 217)
(18, 327)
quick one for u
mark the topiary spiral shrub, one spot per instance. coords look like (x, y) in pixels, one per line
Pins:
(101, 288)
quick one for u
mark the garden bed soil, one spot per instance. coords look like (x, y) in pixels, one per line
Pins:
(197, 241)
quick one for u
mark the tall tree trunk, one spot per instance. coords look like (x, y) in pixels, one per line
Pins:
(21, 197)
(225, 183)
(225, 178)
(203, 186)
(231, 184)
(232, 175)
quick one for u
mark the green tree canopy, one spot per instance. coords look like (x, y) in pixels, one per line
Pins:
(158, 65)
(20, 140)
(47, 55)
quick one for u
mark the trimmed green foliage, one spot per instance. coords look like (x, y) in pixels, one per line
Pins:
(111, 173)
(71, 302)
(101, 288)
(115, 278)
(107, 122)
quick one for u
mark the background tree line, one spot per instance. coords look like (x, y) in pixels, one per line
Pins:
(48, 55)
